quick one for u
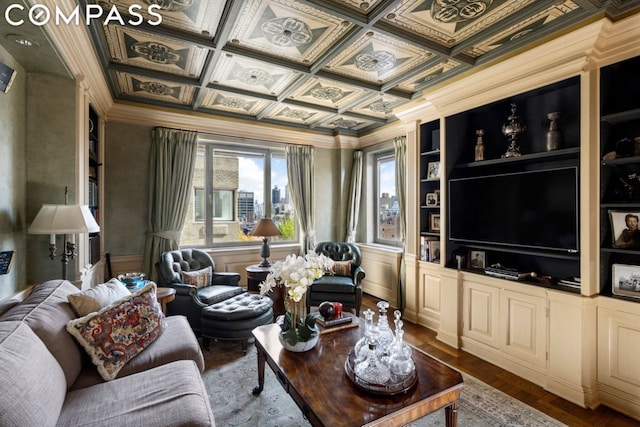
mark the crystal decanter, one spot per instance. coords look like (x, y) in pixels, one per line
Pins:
(370, 332)
(400, 360)
(385, 337)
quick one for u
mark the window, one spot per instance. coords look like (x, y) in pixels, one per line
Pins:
(387, 210)
(233, 187)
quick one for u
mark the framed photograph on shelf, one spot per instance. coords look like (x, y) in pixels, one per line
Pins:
(432, 199)
(434, 222)
(433, 170)
(434, 250)
(624, 229)
(626, 280)
(477, 259)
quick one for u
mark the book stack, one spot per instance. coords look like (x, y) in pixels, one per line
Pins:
(345, 321)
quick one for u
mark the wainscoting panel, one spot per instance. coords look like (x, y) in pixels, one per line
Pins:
(429, 295)
(382, 269)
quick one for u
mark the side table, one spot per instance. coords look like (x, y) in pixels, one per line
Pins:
(255, 276)
(165, 296)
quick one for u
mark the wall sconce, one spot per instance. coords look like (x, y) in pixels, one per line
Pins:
(265, 228)
(67, 220)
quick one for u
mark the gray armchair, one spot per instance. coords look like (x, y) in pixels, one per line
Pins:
(190, 300)
(337, 288)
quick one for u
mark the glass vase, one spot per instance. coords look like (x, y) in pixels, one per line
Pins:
(299, 332)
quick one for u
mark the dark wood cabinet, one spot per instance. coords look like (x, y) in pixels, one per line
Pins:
(94, 182)
(430, 197)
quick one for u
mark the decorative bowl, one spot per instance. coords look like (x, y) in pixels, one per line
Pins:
(132, 280)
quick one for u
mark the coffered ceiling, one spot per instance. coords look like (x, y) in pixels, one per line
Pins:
(328, 65)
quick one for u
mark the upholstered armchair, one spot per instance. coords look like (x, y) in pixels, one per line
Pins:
(344, 285)
(187, 270)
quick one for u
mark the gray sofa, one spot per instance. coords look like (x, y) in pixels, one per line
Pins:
(46, 378)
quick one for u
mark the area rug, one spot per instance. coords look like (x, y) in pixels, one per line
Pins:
(230, 377)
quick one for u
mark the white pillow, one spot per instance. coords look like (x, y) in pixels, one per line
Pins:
(102, 295)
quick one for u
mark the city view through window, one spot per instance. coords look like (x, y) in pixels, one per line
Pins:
(228, 196)
(388, 210)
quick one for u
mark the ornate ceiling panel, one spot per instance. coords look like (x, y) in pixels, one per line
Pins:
(329, 65)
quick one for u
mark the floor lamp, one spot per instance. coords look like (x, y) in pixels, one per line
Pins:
(67, 220)
(265, 228)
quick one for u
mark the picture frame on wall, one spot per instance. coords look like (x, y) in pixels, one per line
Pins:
(626, 280)
(434, 222)
(477, 260)
(433, 170)
(625, 229)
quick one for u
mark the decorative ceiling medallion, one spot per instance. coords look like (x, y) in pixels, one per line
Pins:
(328, 93)
(295, 114)
(287, 32)
(380, 106)
(533, 24)
(193, 16)
(155, 89)
(346, 122)
(233, 103)
(287, 29)
(252, 75)
(442, 69)
(144, 50)
(450, 22)
(378, 58)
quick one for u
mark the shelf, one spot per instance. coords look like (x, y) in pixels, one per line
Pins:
(532, 252)
(430, 180)
(525, 158)
(621, 251)
(621, 161)
(426, 233)
(623, 116)
(430, 206)
(430, 153)
(622, 205)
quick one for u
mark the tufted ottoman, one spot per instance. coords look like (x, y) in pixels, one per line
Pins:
(235, 317)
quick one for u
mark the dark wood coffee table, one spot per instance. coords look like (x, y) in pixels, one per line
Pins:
(317, 382)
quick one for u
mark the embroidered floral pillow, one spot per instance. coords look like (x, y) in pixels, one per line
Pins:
(118, 332)
(198, 278)
(342, 268)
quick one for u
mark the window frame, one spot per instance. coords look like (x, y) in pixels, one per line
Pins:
(387, 154)
(253, 148)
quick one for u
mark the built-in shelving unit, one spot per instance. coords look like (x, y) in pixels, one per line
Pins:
(94, 182)
(619, 177)
(430, 200)
(511, 216)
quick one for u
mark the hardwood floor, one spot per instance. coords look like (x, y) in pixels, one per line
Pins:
(523, 390)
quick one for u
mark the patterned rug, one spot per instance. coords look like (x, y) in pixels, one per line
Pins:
(231, 376)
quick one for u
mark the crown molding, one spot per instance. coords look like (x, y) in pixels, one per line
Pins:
(74, 46)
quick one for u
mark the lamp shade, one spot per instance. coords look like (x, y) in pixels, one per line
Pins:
(265, 228)
(64, 219)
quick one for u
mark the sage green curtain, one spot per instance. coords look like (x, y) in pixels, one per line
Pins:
(173, 155)
(354, 197)
(400, 144)
(300, 167)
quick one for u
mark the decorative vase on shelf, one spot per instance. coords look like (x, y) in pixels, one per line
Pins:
(554, 135)
(513, 129)
(479, 145)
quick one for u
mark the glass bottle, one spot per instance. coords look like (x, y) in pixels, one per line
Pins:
(400, 360)
(362, 346)
(384, 341)
(370, 369)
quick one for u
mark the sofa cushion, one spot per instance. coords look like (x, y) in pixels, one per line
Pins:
(100, 296)
(47, 311)
(176, 342)
(118, 332)
(334, 284)
(170, 395)
(33, 385)
(342, 268)
(198, 278)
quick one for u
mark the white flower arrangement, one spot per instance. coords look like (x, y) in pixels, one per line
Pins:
(296, 274)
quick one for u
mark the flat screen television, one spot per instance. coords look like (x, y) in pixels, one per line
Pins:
(531, 209)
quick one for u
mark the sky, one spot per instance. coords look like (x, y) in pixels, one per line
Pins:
(387, 182)
(251, 173)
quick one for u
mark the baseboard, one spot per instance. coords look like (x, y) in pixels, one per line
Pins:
(623, 402)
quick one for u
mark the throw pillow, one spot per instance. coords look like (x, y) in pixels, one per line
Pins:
(342, 268)
(198, 278)
(102, 295)
(118, 332)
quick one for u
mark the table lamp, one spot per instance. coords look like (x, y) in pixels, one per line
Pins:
(265, 228)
